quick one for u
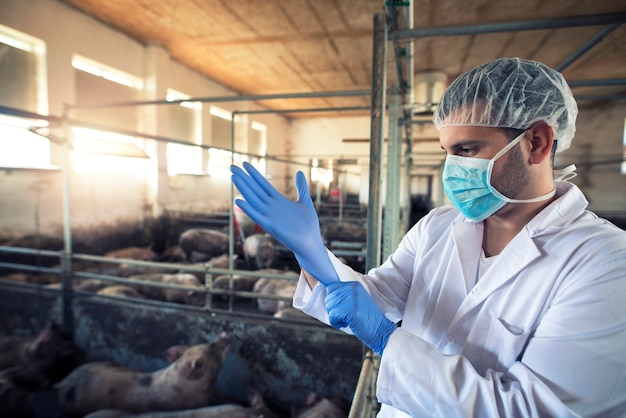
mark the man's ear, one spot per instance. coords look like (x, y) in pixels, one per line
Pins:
(542, 139)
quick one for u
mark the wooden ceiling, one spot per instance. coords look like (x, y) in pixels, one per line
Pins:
(269, 47)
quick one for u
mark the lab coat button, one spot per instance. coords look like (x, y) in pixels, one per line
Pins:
(451, 340)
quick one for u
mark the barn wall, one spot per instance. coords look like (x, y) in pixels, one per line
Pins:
(31, 201)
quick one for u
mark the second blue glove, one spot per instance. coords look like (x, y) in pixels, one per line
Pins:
(349, 305)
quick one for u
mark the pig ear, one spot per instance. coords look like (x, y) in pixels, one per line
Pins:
(174, 352)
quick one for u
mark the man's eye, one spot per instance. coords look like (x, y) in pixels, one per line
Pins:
(467, 152)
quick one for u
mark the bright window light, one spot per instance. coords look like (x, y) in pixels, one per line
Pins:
(321, 174)
(106, 152)
(183, 159)
(222, 113)
(220, 161)
(20, 146)
(104, 71)
(257, 126)
(113, 165)
(173, 95)
(21, 41)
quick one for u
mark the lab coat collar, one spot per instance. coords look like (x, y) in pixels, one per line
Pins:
(522, 250)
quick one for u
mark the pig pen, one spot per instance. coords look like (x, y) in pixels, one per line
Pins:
(283, 360)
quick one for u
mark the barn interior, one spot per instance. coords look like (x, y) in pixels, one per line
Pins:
(119, 121)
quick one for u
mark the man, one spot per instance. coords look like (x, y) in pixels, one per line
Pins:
(512, 301)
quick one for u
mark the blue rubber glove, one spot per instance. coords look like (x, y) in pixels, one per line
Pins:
(349, 305)
(294, 224)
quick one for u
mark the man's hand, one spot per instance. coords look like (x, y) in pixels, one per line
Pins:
(294, 224)
(349, 305)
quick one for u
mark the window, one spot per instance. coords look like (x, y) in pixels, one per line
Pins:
(185, 125)
(257, 145)
(19, 147)
(322, 171)
(22, 86)
(22, 65)
(100, 84)
(100, 150)
(106, 152)
(221, 128)
(220, 156)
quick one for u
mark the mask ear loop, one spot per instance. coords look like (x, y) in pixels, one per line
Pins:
(563, 174)
(500, 195)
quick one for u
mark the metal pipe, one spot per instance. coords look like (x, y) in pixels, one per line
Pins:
(360, 407)
(379, 82)
(313, 109)
(26, 114)
(598, 82)
(587, 46)
(392, 17)
(66, 256)
(601, 98)
(231, 204)
(391, 220)
(242, 98)
(561, 22)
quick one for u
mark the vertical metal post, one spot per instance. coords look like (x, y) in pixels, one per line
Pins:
(67, 311)
(391, 220)
(379, 82)
(231, 212)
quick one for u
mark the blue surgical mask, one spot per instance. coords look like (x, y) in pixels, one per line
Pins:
(467, 182)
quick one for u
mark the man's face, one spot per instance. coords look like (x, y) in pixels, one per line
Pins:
(510, 175)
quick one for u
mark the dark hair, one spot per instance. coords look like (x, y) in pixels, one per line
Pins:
(512, 133)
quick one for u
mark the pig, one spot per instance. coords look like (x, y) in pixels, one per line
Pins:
(22, 277)
(194, 296)
(257, 409)
(277, 287)
(37, 278)
(289, 312)
(89, 285)
(120, 290)
(187, 383)
(316, 406)
(173, 254)
(259, 251)
(343, 231)
(239, 283)
(221, 261)
(208, 242)
(133, 253)
(15, 402)
(33, 360)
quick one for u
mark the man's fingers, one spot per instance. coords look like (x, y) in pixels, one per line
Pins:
(336, 319)
(254, 214)
(302, 187)
(260, 180)
(248, 189)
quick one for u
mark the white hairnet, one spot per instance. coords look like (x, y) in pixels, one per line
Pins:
(510, 93)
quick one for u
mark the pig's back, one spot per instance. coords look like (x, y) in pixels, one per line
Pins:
(104, 385)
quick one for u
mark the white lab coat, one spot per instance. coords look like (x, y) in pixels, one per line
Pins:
(541, 334)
